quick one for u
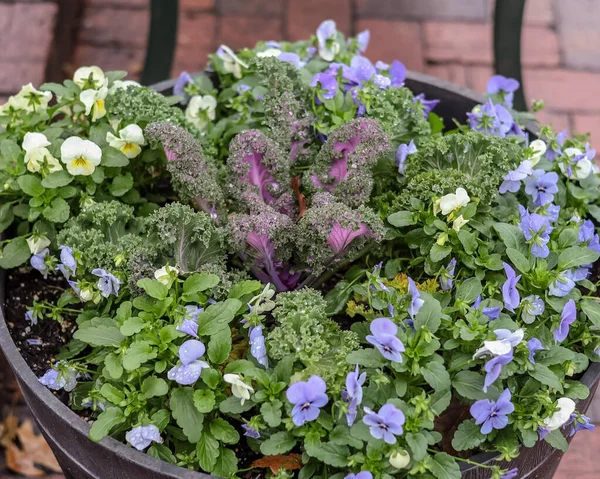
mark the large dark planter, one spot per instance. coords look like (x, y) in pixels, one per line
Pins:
(80, 458)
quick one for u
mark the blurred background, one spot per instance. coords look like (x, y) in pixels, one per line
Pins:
(45, 40)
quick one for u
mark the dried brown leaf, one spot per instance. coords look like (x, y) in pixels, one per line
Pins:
(280, 461)
(34, 452)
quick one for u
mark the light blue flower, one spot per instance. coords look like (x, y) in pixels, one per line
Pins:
(402, 153)
(38, 261)
(68, 264)
(142, 436)
(257, 346)
(191, 367)
(308, 397)
(385, 424)
(107, 284)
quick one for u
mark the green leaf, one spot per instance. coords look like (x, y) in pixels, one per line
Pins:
(469, 290)
(511, 235)
(58, 179)
(113, 157)
(154, 288)
(6, 215)
(108, 336)
(31, 185)
(576, 256)
(443, 466)
(557, 440)
(369, 358)
(544, 375)
(137, 354)
(279, 443)
(438, 253)
(418, 445)
(331, 454)
(132, 326)
(341, 435)
(207, 452)
(468, 436)
(233, 405)
(106, 422)
(401, 218)
(576, 390)
(200, 282)
(440, 401)
(239, 290)
(154, 387)
(58, 211)
(430, 314)
(112, 394)
(518, 259)
(121, 184)
(223, 431)
(469, 384)
(271, 412)
(162, 452)
(591, 308)
(217, 316)
(436, 376)
(113, 366)
(219, 346)
(555, 355)
(227, 463)
(15, 253)
(185, 413)
(468, 240)
(204, 400)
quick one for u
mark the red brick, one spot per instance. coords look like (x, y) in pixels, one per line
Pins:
(13, 75)
(538, 12)
(478, 76)
(452, 72)
(304, 16)
(244, 32)
(424, 9)
(581, 460)
(195, 40)
(29, 35)
(118, 3)
(559, 121)
(128, 59)
(577, 23)
(395, 40)
(197, 5)
(564, 90)
(472, 43)
(588, 124)
(115, 26)
(255, 8)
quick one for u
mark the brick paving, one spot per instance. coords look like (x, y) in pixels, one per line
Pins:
(448, 39)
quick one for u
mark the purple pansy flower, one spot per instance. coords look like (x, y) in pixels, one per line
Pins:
(428, 105)
(383, 337)
(512, 180)
(491, 119)
(327, 85)
(580, 423)
(308, 397)
(504, 88)
(492, 312)
(568, 317)
(397, 73)
(562, 285)
(534, 344)
(447, 275)
(191, 367)
(249, 431)
(554, 149)
(353, 393)
(189, 324)
(510, 474)
(493, 368)
(257, 346)
(587, 233)
(533, 306)
(493, 414)
(360, 475)
(552, 211)
(31, 317)
(415, 302)
(362, 39)
(541, 186)
(107, 284)
(402, 153)
(385, 424)
(510, 294)
(242, 88)
(68, 264)
(59, 379)
(38, 261)
(182, 81)
(142, 436)
(291, 58)
(536, 229)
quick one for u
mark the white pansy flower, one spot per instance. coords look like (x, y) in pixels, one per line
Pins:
(539, 148)
(91, 77)
(80, 156)
(165, 274)
(329, 46)
(122, 84)
(508, 340)
(238, 387)
(566, 407)
(453, 201)
(129, 142)
(458, 223)
(94, 101)
(201, 110)
(269, 52)
(37, 243)
(400, 459)
(37, 155)
(231, 62)
(581, 169)
(30, 99)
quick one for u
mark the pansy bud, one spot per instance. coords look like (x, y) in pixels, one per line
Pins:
(400, 459)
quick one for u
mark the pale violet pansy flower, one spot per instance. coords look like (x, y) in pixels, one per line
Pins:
(37, 154)
(107, 284)
(129, 142)
(191, 366)
(239, 388)
(80, 156)
(201, 110)
(329, 46)
(142, 436)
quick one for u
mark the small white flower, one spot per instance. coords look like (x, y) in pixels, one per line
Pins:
(29, 99)
(129, 141)
(453, 201)
(329, 46)
(91, 77)
(86, 295)
(502, 346)
(581, 169)
(166, 274)
(94, 101)
(231, 63)
(458, 223)
(201, 110)
(400, 459)
(122, 84)
(269, 52)
(37, 243)
(566, 407)
(36, 153)
(539, 148)
(80, 156)
(238, 387)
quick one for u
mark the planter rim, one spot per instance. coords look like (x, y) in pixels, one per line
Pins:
(111, 445)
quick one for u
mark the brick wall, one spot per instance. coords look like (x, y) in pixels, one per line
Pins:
(451, 39)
